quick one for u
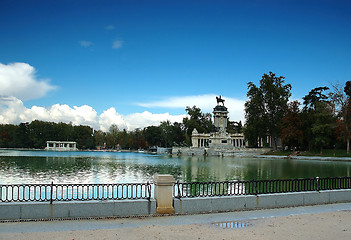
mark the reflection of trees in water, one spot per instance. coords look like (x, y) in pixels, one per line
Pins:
(141, 170)
(46, 164)
(41, 169)
(206, 169)
(202, 169)
(107, 169)
(261, 169)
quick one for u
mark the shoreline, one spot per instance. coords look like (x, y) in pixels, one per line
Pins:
(250, 153)
(319, 158)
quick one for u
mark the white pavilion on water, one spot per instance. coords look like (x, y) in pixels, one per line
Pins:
(61, 146)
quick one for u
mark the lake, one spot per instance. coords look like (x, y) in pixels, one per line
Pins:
(19, 167)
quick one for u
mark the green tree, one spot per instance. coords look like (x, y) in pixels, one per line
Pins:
(167, 133)
(22, 139)
(347, 88)
(153, 135)
(255, 127)
(314, 97)
(292, 127)
(83, 135)
(201, 121)
(124, 140)
(113, 137)
(313, 103)
(178, 133)
(347, 114)
(340, 97)
(266, 107)
(37, 133)
(323, 127)
(63, 132)
(8, 135)
(139, 141)
(100, 138)
(234, 127)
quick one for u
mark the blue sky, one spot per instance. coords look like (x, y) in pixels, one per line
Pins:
(135, 63)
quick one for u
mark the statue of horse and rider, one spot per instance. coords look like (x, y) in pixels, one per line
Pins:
(220, 100)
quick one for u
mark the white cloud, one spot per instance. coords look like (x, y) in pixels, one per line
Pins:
(201, 101)
(84, 115)
(109, 117)
(117, 44)
(205, 102)
(13, 111)
(85, 43)
(19, 80)
(136, 120)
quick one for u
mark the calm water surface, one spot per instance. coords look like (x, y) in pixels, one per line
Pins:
(111, 167)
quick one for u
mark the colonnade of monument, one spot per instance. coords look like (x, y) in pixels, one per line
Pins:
(204, 142)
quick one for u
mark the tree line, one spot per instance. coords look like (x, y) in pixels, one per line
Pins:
(36, 133)
(321, 121)
(167, 134)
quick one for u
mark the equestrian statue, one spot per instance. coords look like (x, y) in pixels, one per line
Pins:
(220, 100)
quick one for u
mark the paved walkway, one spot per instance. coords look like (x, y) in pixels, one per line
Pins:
(147, 227)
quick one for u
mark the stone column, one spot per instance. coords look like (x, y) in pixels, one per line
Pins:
(164, 193)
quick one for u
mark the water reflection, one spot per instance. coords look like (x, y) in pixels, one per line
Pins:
(103, 167)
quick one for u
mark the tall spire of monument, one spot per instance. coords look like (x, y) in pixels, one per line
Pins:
(220, 115)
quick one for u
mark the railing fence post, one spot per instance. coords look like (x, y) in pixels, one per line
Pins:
(148, 186)
(179, 195)
(51, 191)
(255, 187)
(317, 183)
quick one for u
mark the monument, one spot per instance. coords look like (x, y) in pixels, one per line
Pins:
(219, 142)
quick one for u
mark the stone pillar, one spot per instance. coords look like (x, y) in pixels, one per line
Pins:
(164, 193)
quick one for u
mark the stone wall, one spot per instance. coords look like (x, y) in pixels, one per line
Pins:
(189, 151)
(263, 201)
(124, 208)
(69, 210)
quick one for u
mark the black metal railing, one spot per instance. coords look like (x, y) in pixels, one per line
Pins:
(122, 191)
(253, 187)
(74, 192)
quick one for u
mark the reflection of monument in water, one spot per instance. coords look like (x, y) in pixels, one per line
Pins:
(219, 142)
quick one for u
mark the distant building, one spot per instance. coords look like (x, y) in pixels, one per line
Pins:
(61, 146)
(158, 150)
(221, 138)
(219, 142)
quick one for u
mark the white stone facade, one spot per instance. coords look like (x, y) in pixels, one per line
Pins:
(219, 142)
(220, 139)
(61, 146)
